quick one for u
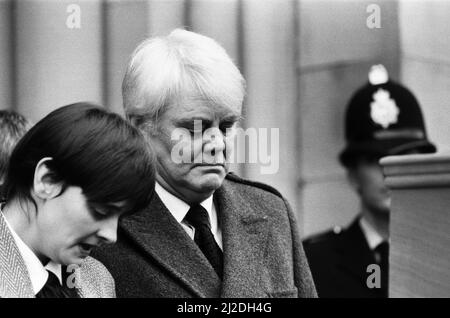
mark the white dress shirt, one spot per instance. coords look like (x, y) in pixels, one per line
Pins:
(37, 272)
(178, 208)
(373, 238)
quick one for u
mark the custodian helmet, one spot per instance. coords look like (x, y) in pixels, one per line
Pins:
(383, 118)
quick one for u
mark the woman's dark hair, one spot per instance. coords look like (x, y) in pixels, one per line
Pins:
(91, 148)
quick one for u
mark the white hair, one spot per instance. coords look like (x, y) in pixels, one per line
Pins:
(163, 70)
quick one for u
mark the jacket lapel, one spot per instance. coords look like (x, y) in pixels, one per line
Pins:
(356, 252)
(14, 279)
(162, 238)
(244, 233)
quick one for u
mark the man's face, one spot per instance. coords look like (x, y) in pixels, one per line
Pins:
(70, 227)
(368, 180)
(192, 145)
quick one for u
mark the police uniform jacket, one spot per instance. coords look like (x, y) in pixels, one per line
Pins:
(262, 251)
(338, 260)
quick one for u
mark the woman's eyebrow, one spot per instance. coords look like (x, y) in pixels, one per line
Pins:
(115, 207)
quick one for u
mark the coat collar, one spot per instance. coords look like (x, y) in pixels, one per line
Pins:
(163, 239)
(244, 233)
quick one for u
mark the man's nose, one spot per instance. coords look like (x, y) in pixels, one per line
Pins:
(108, 230)
(214, 142)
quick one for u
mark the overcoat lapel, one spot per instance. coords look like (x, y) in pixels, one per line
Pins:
(244, 233)
(14, 279)
(163, 239)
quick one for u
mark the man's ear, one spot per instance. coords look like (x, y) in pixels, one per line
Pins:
(149, 128)
(43, 185)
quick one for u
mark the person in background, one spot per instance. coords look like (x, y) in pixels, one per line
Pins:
(69, 180)
(12, 127)
(206, 233)
(383, 118)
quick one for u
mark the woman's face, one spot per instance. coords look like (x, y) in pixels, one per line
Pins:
(69, 227)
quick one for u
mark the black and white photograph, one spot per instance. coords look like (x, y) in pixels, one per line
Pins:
(229, 151)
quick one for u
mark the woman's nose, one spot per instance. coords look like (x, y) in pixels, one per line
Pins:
(108, 230)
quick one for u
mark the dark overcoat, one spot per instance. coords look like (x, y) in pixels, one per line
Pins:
(263, 254)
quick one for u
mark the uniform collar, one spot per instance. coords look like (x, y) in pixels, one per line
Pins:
(372, 236)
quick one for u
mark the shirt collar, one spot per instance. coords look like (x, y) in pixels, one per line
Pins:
(372, 236)
(177, 207)
(37, 272)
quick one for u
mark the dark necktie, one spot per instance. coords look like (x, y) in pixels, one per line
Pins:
(197, 216)
(53, 289)
(382, 250)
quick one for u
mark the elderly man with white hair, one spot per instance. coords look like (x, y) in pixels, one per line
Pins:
(207, 232)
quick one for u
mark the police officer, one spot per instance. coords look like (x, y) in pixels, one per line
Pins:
(383, 118)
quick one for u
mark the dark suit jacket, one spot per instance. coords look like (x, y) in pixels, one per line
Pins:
(338, 262)
(263, 255)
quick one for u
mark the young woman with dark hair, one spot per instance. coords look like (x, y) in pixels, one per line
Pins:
(69, 180)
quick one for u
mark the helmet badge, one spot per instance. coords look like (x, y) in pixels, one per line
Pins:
(378, 75)
(383, 109)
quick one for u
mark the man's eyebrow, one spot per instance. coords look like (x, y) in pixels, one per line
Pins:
(193, 119)
(231, 118)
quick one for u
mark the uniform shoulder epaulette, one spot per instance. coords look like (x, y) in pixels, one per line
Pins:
(324, 236)
(233, 177)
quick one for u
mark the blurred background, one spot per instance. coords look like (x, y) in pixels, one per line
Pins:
(302, 59)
